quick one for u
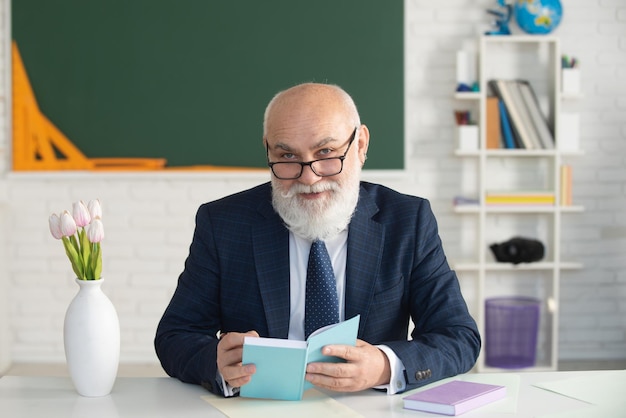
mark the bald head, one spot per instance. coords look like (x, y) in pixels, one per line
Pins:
(309, 102)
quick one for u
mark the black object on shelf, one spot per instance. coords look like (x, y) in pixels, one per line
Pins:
(518, 250)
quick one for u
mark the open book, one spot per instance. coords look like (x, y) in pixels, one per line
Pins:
(281, 364)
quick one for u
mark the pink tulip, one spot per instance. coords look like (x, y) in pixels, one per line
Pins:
(81, 231)
(68, 224)
(95, 230)
(55, 226)
(81, 214)
(95, 210)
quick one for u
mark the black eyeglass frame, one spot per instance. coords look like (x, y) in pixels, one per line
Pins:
(310, 163)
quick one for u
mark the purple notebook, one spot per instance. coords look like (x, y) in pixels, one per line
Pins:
(455, 397)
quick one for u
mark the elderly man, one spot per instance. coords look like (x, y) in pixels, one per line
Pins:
(246, 273)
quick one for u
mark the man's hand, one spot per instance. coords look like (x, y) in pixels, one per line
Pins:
(229, 353)
(366, 366)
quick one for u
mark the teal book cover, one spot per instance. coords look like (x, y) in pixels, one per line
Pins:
(281, 364)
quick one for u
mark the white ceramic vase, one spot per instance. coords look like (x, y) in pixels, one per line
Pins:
(91, 335)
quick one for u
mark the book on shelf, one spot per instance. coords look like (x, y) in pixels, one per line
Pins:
(465, 201)
(492, 130)
(528, 125)
(455, 397)
(507, 133)
(281, 363)
(520, 130)
(566, 185)
(520, 198)
(540, 123)
(519, 201)
(514, 88)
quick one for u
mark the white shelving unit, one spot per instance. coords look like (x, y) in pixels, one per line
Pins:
(538, 60)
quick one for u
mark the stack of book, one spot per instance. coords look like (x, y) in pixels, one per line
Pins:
(516, 110)
(532, 198)
(566, 185)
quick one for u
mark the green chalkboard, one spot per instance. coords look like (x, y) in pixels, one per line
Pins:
(188, 80)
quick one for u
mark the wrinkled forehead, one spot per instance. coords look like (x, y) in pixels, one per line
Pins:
(309, 104)
(307, 117)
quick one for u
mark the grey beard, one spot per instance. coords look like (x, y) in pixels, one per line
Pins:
(314, 219)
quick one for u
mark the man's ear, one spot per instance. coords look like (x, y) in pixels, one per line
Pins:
(364, 142)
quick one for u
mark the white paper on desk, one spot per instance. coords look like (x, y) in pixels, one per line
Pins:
(603, 388)
(611, 403)
(314, 404)
(587, 412)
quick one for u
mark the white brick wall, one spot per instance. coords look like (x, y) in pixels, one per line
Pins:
(149, 217)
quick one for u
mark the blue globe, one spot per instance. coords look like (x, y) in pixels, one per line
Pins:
(538, 17)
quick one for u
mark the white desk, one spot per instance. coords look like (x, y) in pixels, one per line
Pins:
(51, 397)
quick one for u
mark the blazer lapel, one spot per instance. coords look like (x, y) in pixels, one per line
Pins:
(271, 257)
(365, 249)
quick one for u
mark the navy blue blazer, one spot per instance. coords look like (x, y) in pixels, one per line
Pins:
(236, 279)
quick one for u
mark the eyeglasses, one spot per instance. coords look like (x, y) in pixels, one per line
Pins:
(324, 167)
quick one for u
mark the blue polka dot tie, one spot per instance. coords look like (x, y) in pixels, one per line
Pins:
(321, 306)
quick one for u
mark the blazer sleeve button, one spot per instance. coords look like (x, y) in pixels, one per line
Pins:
(423, 374)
